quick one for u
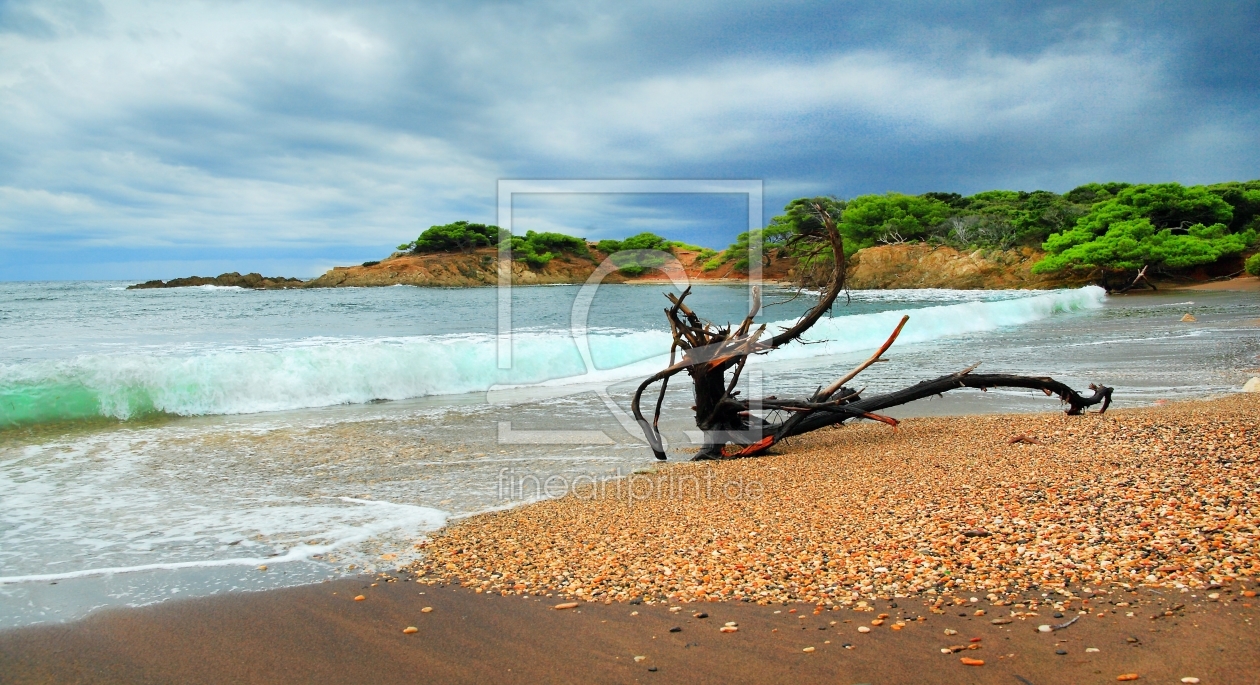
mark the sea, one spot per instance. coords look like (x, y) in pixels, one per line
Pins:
(171, 443)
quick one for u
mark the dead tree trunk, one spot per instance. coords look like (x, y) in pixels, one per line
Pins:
(733, 427)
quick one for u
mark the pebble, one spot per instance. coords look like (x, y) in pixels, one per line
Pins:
(359, 598)
(701, 615)
(566, 605)
(731, 624)
(262, 568)
(1189, 679)
(426, 610)
(637, 659)
(1045, 628)
(966, 661)
(727, 629)
(808, 649)
(1172, 492)
(877, 622)
(951, 631)
(410, 629)
(1060, 652)
(676, 629)
(1127, 676)
(1091, 650)
(1000, 621)
(652, 669)
(863, 629)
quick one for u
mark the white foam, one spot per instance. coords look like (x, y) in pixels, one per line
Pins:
(321, 372)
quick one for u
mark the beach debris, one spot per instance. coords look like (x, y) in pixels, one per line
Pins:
(808, 650)
(967, 661)
(754, 425)
(410, 629)
(1127, 676)
(359, 598)
(426, 610)
(1188, 318)
(1024, 439)
(565, 605)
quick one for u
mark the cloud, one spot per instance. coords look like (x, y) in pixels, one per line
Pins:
(149, 126)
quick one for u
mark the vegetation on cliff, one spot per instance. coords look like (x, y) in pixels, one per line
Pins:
(1098, 228)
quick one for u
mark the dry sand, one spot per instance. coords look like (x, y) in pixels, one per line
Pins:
(1165, 497)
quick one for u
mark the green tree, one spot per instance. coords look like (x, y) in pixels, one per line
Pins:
(538, 249)
(1166, 207)
(1134, 243)
(461, 236)
(870, 219)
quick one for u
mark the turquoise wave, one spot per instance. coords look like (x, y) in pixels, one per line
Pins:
(318, 373)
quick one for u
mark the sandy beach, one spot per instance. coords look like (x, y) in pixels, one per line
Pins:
(879, 556)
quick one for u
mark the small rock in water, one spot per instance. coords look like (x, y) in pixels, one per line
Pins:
(1188, 318)
(410, 629)
(262, 568)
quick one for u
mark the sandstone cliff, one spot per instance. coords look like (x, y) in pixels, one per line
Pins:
(916, 265)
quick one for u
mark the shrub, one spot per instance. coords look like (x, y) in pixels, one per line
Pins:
(1253, 264)
(371, 263)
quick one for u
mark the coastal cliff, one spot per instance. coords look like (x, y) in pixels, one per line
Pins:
(882, 267)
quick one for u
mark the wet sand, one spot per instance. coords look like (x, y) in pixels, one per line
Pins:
(320, 634)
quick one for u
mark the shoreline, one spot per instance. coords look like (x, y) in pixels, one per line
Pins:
(319, 633)
(476, 633)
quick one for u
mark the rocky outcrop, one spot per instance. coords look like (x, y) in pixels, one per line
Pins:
(916, 265)
(253, 281)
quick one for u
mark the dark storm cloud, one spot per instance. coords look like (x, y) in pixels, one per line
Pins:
(157, 127)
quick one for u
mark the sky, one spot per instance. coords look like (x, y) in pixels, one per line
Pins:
(147, 140)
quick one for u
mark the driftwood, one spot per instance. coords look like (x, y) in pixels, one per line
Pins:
(733, 428)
